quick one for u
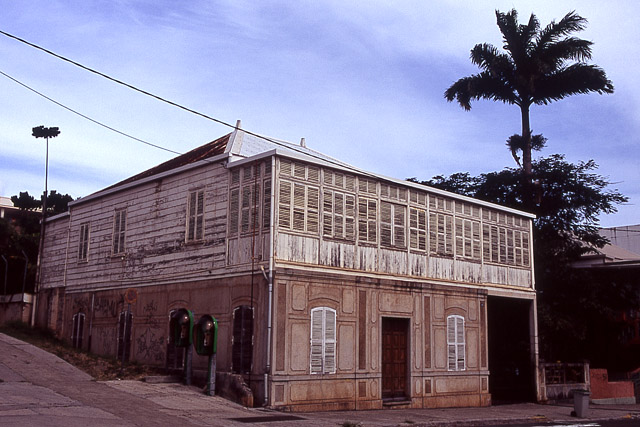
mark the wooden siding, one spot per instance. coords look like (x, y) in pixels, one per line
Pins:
(155, 246)
(55, 247)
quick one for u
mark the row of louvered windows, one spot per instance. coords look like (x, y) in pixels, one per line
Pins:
(339, 215)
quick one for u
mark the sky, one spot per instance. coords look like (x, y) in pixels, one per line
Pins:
(360, 81)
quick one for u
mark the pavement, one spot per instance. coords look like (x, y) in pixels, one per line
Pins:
(38, 388)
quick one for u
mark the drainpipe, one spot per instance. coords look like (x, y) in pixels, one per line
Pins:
(93, 298)
(267, 370)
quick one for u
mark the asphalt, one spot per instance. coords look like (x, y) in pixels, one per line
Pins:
(38, 388)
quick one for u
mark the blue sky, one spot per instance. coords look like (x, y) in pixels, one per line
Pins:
(361, 81)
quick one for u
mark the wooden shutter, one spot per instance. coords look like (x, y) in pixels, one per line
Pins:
(460, 344)
(247, 199)
(298, 207)
(234, 211)
(313, 205)
(285, 167)
(455, 343)
(349, 217)
(323, 341)
(451, 343)
(266, 203)
(399, 238)
(385, 223)
(316, 340)
(284, 205)
(327, 213)
(329, 341)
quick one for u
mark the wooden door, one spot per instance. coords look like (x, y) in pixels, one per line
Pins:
(394, 358)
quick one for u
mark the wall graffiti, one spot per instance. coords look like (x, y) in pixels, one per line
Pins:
(150, 346)
(105, 306)
(149, 312)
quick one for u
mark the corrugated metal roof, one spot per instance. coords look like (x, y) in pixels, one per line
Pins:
(205, 151)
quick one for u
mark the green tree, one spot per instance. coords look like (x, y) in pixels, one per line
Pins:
(575, 307)
(56, 203)
(540, 65)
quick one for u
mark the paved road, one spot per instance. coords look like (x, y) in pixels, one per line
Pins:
(38, 388)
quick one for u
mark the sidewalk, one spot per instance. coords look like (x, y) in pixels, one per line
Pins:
(37, 387)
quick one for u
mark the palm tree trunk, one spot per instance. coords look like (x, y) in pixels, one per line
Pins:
(526, 149)
(527, 169)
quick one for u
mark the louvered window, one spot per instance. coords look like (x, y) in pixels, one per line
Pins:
(367, 186)
(440, 204)
(78, 330)
(119, 228)
(250, 198)
(418, 229)
(246, 208)
(455, 343)
(234, 210)
(339, 179)
(323, 341)
(467, 239)
(504, 245)
(392, 225)
(195, 216)
(83, 242)
(242, 342)
(338, 215)
(440, 234)
(418, 198)
(367, 213)
(266, 204)
(298, 207)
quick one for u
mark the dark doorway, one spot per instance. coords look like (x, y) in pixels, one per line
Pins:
(124, 335)
(394, 358)
(242, 344)
(511, 376)
(175, 355)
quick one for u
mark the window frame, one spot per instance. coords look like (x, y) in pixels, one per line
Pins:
(456, 343)
(194, 230)
(119, 232)
(323, 343)
(83, 242)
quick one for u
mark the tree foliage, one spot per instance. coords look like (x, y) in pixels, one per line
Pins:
(19, 238)
(575, 307)
(56, 203)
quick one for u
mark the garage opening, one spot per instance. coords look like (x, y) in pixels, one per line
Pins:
(511, 376)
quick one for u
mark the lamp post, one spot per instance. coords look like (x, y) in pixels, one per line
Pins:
(46, 133)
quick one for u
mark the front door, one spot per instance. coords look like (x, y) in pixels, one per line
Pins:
(394, 358)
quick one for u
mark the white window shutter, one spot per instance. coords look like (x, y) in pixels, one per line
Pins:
(316, 340)
(330, 341)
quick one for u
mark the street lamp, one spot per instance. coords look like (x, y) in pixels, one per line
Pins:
(46, 133)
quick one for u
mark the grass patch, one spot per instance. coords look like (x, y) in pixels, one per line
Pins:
(101, 368)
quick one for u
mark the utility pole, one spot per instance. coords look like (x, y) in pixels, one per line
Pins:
(46, 133)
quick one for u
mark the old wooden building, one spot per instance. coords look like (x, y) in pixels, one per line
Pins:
(334, 288)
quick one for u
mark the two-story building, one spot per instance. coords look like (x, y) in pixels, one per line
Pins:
(334, 288)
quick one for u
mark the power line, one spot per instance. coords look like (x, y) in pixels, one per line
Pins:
(175, 104)
(85, 116)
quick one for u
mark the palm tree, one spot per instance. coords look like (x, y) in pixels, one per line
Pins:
(538, 67)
